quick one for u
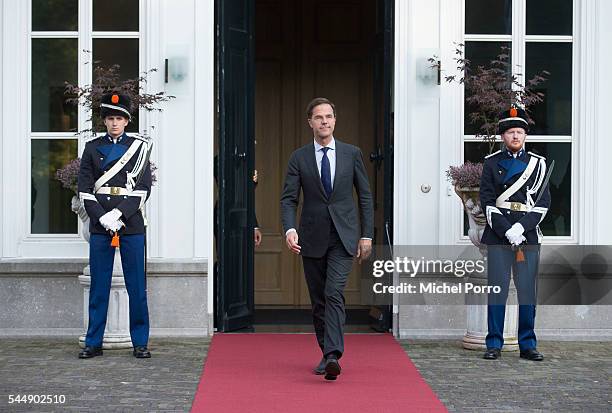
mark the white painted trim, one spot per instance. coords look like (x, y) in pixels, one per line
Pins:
(53, 135)
(402, 118)
(53, 246)
(2, 175)
(403, 90)
(451, 120)
(204, 145)
(548, 39)
(54, 35)
(483, 37)
(151, 57)
(15, 43)
(585, 122)
(121, 35)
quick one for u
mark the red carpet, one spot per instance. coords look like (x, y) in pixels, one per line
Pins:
(250, 373)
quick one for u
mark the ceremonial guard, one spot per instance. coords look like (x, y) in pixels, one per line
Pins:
(114, 184)
(515, 197)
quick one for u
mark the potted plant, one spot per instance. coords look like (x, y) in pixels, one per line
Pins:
(489, 90)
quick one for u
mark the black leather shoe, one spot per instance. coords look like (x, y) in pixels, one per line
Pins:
(332, 368)
(320, 369)
(492, 354)
(532, 354)
(89, 352)
(141, 352)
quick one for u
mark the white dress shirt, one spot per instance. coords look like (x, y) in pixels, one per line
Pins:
(331, 155)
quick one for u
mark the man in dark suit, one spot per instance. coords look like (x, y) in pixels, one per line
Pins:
(329, 234)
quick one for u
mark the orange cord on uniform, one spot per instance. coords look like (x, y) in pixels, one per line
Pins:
(115, 240)
(520, 256)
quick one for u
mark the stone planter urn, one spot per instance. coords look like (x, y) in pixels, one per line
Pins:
(117, 331)
(476, 304)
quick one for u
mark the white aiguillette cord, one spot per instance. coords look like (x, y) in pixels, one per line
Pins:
(117, 167)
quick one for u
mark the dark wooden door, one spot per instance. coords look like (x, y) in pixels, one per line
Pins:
(382, 155)
(236, 159)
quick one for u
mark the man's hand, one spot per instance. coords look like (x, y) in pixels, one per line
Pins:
(257, 237)
(364, 249)
(292, 242)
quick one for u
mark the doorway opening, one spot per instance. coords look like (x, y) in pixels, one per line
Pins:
(273, 57)
(306, 49)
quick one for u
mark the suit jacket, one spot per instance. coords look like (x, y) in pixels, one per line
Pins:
(98, 157)
(319, 212)
(499, 172)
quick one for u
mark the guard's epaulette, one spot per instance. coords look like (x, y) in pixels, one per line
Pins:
(92, 138)
(536, 155)
(493, 154)
(142, 138)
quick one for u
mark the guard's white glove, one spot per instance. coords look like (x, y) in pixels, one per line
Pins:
(515, 234)
(116, 226)
(109, 220)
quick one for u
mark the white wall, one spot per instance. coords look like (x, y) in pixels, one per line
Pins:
(176, 138)
(184, 149)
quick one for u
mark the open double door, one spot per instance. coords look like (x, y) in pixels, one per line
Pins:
(236, 79)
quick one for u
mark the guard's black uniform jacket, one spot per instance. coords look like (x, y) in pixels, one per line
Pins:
(98, 157)
(500, 171)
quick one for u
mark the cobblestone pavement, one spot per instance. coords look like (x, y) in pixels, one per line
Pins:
(575, 377)
(115, 382)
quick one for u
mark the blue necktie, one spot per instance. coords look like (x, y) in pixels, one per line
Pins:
(326, 173)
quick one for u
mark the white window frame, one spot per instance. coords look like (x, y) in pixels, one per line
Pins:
(66, 245)
(518, 38)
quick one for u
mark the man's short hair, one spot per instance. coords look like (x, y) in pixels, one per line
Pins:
(316, 102)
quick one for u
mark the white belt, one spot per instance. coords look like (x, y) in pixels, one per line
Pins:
(513, 206)
(113, 190)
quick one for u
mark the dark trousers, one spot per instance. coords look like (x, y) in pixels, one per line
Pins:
(101, 258)
(326, 278)
(501, 263)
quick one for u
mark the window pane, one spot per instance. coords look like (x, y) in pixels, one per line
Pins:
(554, 115)
(549, 17)
(54, 61)
(51, 213)
(488, 16)
(122, 52)
(558, 218)
(480, 54)
(115, 15)
(55, 15)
